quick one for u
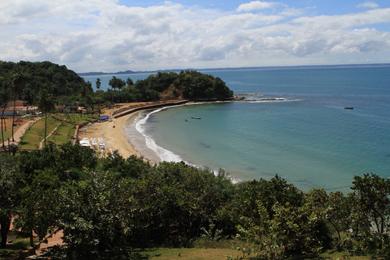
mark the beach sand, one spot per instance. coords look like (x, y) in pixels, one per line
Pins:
(114, 137)
(113, 132)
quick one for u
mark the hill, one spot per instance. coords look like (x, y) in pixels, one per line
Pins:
(30, 78)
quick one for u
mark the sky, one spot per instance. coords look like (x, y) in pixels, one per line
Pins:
(114, 35)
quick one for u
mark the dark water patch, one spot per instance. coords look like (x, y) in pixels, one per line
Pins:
(204, 145)
(252, 169)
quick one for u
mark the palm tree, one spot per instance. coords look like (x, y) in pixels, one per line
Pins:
(4, 98)
(98, 84)
(18, 81)
(46, 104)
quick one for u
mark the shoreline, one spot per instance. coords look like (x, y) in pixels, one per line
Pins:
(114, 133)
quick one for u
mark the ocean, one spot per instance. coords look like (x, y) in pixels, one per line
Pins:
(295, 125)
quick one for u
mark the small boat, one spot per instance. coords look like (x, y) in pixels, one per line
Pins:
(349, 108)
(197, 118)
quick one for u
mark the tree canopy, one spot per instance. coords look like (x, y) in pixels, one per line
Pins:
(106, 207)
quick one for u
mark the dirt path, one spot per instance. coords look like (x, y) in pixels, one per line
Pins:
(19, 133)
(47, 137)
(55, 239)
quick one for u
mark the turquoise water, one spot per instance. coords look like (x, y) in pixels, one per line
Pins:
(311, 141)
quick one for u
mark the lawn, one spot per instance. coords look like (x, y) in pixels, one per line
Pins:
(63, 134)
(223, 254)
(35, 134)
(17, 244)
(192, 253)
(65, 124)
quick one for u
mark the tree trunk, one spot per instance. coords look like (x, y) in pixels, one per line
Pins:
(13, 119)
(2, 131)
(45, 129)
(32, 238)
(5, 222)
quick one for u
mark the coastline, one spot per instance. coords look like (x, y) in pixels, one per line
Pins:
(114, 132)
(114, 135)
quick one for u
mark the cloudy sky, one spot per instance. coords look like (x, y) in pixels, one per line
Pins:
(112, 35)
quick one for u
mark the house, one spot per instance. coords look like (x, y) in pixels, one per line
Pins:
(21, 108)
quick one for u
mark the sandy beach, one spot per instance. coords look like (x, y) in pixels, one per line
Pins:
(113, 131)
(113, 134)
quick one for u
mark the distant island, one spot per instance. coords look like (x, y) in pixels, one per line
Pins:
(237, 68)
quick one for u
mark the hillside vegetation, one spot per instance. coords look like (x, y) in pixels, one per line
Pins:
(31, 81)
(109, 208)
(27, 79)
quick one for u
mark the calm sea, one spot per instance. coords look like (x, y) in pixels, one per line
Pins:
(306, 136)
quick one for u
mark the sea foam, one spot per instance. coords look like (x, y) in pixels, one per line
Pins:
(162, 153)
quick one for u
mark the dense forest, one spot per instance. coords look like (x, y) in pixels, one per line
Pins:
(29, 81)
(110, 207)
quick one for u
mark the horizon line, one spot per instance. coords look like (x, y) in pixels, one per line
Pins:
(235, 68)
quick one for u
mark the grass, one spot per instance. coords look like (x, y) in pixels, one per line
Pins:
(202, 249)
(225, 253)
(342, 255)
(63, 134)
(35, 134)
(8, 126)
(13, 250)
(65, 124)
(191, 253)
(7, 132)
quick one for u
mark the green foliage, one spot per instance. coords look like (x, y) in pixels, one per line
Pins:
(199, 86)
(176, 201)
(116, 83)
(109, 206)
(187, 84)
(58, 80)
(38, 208)
(96, 216)
(10, 190)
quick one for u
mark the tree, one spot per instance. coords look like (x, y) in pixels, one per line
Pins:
(373, 199)
(39, 205)
(10, 189)
(129, 82)
(116, 83)
(97, 216)
(18, 83)
(98, 83)
(4, 98)
(370, 215)
(46, 104)
(338, 214)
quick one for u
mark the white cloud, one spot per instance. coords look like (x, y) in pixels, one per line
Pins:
(255, 5)
(368, 5)
(95, 35)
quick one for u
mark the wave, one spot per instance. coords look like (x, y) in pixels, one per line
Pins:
(258, 97)
(273, 100)
(162, 153)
